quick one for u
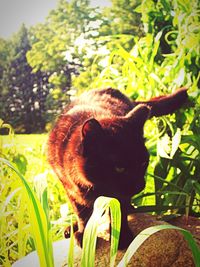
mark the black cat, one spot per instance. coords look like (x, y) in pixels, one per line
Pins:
(97, 149)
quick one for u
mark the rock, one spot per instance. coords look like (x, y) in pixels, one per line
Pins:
(162, 249)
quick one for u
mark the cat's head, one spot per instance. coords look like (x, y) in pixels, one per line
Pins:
(114, 154)
(113, 150)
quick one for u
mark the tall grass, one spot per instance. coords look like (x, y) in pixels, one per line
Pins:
(90, 234)
(27, 156)
(38, 217)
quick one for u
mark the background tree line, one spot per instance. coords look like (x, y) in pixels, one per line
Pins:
(37, 65)
(41, 68)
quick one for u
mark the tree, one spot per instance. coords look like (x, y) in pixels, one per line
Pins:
(56, 51)
(4, 57)
(120, 24)
(54, 43)
(60, 46)
(122, 17)
(24, 95)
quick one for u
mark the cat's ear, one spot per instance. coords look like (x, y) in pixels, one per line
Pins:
(139, 115)
(167, 104)
(91, 127)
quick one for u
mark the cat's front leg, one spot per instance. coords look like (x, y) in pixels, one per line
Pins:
(78, 230)
(67, 232)
(83, 214)
(79, 238)
(126, 235)
(83, 217)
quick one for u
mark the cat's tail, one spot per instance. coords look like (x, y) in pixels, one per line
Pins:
(167, 104)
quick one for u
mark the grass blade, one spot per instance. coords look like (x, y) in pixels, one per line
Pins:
(115, 214)
(38, 220)
(71, 246)
(90, 234)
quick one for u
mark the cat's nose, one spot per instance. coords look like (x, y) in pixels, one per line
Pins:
(119, 169)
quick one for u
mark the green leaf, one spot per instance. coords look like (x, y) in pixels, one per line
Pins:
(176, 139)
(71, 245)
(138, 9)
(196, 186)
(90, 234)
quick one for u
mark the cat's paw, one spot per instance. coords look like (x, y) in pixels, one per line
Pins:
(79, 238)
(126, 237)
(67, 232)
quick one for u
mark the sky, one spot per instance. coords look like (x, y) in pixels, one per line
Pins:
(30, 12)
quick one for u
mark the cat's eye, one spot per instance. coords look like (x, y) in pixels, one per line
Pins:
(119, 169)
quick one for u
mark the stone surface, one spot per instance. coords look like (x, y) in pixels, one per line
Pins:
(162, 249)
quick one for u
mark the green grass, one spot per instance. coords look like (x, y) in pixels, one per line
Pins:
(38, 211)
(27, 153)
